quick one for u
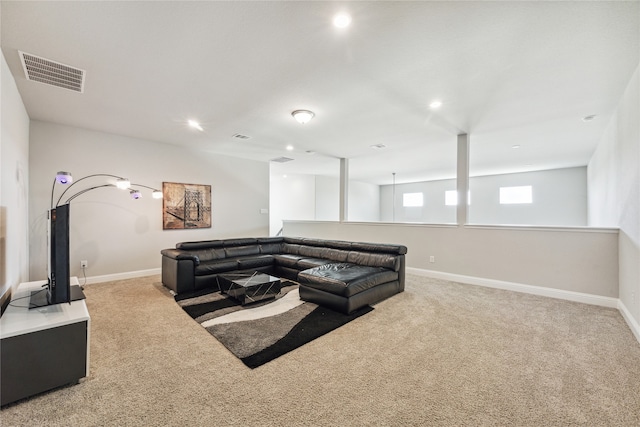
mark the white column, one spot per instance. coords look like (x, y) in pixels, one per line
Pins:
(344, 189)
(462, 181)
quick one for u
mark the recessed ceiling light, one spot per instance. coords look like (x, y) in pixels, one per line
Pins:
(435, 104)
(515, 147)
(289, 147)
(588, 118)
(378, 146)
(342, 20)
(195, 125)
(310, 152)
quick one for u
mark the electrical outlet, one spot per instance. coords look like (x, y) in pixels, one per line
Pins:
(432, 259)
(84, 264)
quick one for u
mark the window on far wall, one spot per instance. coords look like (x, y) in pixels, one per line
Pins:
(412, 200)
(516, 195)
(451, 198)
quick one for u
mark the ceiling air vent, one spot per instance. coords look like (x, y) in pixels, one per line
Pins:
(240, 136)
(52, 73)
(281, 160)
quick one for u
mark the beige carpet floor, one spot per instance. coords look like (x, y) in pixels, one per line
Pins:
(439, 354)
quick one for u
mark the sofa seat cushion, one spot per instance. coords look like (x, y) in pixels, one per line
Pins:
(287, 260)
(306, 263)
(345, 279)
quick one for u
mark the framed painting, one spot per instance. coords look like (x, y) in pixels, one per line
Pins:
(185, 206)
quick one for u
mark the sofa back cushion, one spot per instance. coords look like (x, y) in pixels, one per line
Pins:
(374, 260)
(379, 248)
(205, 244)
(238, 251)
(209, 254)
(291, 248)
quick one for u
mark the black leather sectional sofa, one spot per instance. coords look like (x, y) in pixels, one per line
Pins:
(341, 275)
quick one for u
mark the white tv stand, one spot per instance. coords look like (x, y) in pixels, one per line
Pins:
(42, 348)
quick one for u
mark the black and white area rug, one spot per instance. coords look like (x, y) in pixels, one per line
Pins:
(261, 332)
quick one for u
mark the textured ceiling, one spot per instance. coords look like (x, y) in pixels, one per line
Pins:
(508, 73)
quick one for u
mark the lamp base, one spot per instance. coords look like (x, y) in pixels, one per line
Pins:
(41, 298)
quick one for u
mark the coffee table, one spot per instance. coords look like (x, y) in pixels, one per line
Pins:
(249, 287)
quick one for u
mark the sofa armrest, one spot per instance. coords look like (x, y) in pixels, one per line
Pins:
(178, 270)
(179, 254)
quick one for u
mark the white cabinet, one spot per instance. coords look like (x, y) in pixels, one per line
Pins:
(42, 348)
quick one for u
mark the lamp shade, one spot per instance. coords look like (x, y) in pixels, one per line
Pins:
(64, 178)
(123, 183)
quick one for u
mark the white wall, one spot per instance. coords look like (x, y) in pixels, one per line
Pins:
(614, 190)
(327, 206)
(559, 199)
(364, 201)
(14, 172)
(580, 260)
(316, 197)
(434, 210)
(116, 234)
(291, 196)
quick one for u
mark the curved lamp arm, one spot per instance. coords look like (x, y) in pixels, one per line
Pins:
(81, 192)
(156, 194)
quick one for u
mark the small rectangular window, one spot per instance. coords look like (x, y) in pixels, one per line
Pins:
(451, 198)
(412, 199)
(516, 195)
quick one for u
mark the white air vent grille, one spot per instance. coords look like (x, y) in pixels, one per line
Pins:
(240, 136)
(281, 160)
(52, 73)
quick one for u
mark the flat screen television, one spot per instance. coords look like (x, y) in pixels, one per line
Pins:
(59, 286)
(59, 289)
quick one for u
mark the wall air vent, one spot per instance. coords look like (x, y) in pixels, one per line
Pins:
(240, 136)
(281, 160)
(52, 73)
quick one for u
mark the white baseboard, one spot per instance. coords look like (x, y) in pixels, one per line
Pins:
(120, 276)
(633, 324)
(519, 287)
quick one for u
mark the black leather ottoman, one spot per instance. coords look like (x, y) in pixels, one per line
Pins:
(346, 287)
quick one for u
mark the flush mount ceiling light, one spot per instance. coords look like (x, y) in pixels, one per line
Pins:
(515, 147)
(289, 147)
(195, 125)
(342, 20)
(435, 104)
(303, 116)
